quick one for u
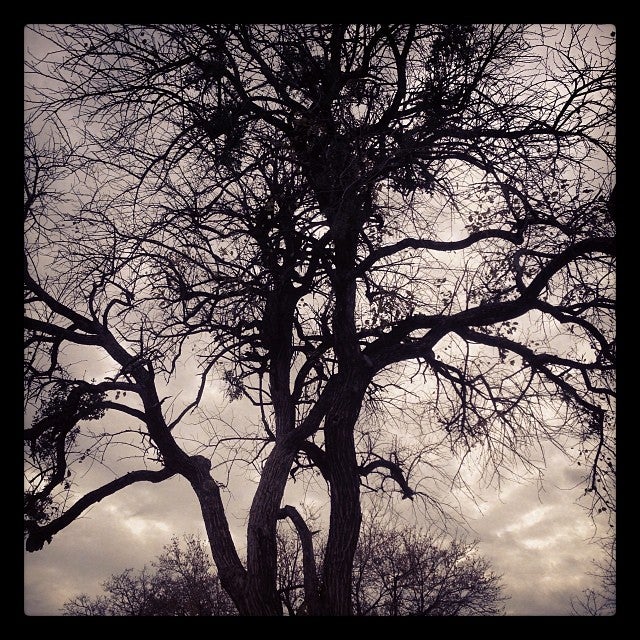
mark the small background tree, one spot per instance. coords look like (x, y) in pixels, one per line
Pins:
(182, 582)
(401, 571)
(398, 572)
(601, 599)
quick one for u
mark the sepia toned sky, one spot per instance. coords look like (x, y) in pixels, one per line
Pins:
(538, 538)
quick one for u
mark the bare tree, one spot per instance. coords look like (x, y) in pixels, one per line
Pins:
(181, 583)
(401, 571)
(397, 571)
(394, 241)
(601, 600)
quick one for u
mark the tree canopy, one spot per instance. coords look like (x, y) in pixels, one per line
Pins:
(180, 582)
(397, 242)
(601, 600)
(397, 571)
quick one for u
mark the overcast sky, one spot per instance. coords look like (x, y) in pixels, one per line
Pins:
(540, 541)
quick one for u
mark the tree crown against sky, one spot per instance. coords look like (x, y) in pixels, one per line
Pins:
(180, 582)
(396, 242)
(601, 600)
(397, 571)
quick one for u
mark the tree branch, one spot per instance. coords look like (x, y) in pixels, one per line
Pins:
(436, 245)
(389, 347)
(537, 361)
(394, 472)
(38, 535)
(79, 320)
(123, 408)
(311, 582)
(317, 456)
(60, 332)
(583, 247)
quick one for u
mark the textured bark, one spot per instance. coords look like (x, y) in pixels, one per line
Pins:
(262, 553)
(232, 574)
(261, 595)
(346, 515)
(342, 471)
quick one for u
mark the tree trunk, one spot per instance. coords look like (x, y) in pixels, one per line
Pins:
(261, 595)
(232, 574)
(346, 514)
(309, 567)
(262, 561)
(254, 590)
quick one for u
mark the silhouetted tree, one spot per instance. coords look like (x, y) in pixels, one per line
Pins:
(396, 241)
(403, 572)
(182, 583)
(397, 571)
(601, 600)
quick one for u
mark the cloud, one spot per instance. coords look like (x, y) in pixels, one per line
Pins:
(126, 530)
(538, 539)
(542, 543)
